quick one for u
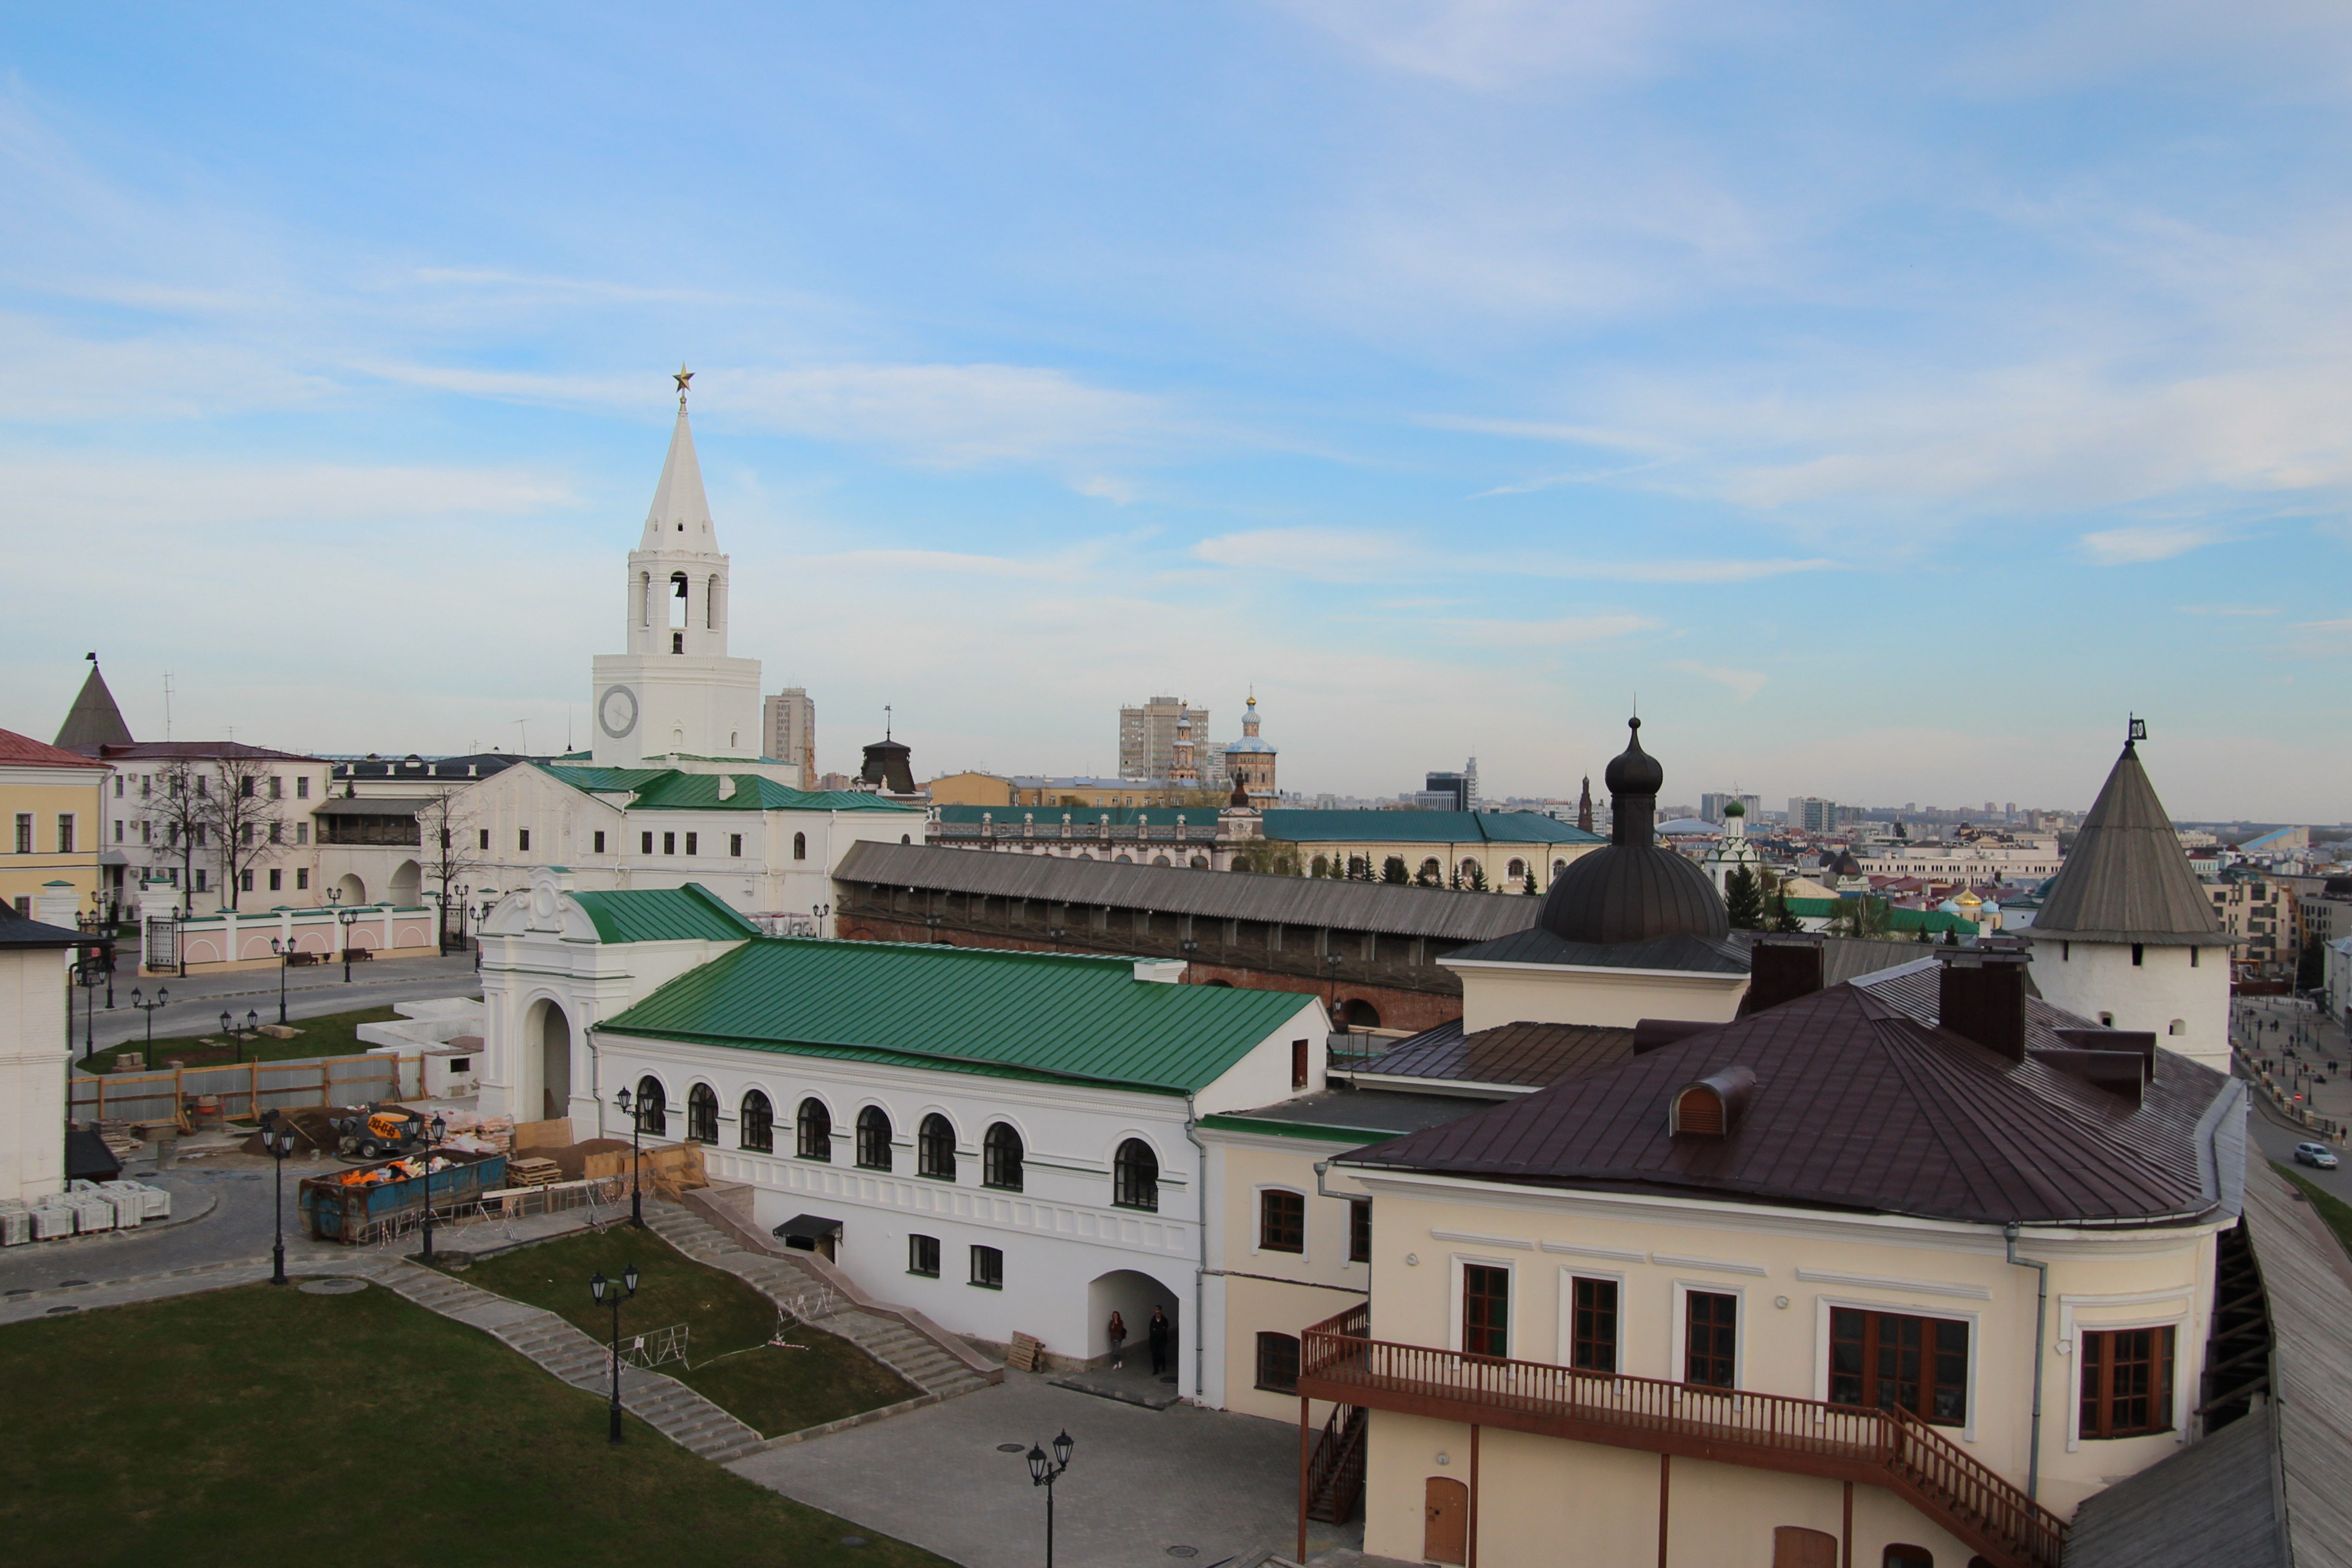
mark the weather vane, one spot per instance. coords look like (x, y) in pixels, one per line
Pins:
(681, 377)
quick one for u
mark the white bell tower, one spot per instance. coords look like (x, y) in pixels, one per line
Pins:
(676, 692)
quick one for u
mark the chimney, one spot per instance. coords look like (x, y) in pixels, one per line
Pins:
(1781, 970)
(1649, 1034)
(1982, 998)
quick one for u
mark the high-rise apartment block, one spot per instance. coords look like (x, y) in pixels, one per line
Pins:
(787, 731)
(1147, 735)
(1711, 805)
(1812, 814)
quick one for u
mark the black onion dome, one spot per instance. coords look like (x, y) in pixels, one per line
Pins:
(1634, 771)
(1633, 891)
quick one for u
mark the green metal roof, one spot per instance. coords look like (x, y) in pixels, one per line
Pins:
(1051, 1016)
(1424, 828)
(669, 789)
(664, 914)
(1909, 920)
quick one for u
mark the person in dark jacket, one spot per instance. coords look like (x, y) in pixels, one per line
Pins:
(1117, 1334)
(1157, 1332)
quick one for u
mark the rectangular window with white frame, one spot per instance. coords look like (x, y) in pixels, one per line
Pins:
(2126, 1380)
(1708, 1318)
(1484, 1291)
(1591, 1338)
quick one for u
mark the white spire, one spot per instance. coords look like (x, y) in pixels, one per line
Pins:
(680, 519)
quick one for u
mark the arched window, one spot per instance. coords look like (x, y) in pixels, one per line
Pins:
(1134, 1175)
(1519, 869)
(815, 1130)
(677, 595)
(644, 599)
(874, 1139)
(1321, 866)
(935, 1148)
(1431, 871)
(1558, 867)
(999, 1162)
(800, 846)
(2178, 1026)
(702, 1114)
(652, 1109)
(759, 1122)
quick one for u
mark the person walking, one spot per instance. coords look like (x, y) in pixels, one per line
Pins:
(1118, 1332)
(1156, 1331)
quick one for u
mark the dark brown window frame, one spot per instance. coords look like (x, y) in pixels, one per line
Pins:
(1278, 1363)
(1712, 1362)
(812, 1130)
(1002, 1152)
(2096, 1355)
(1593, 1322)
(1486, 1310)
(873, 1139)
(756, 1123)
(1359, 1230)
(1932, 1371)
(935, 1154)
(1281, 1220)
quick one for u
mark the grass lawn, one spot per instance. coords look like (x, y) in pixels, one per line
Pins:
(727, 1323)
(336, 1034)
(2332, 1208)
(261, 1425)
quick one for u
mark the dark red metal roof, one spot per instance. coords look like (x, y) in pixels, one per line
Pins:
(1524, 1055)
(1858, 1106)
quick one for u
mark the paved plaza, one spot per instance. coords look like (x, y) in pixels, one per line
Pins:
(1144, 1487)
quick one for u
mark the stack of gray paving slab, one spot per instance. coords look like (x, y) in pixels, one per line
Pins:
(16, 1225)
(154, 1202)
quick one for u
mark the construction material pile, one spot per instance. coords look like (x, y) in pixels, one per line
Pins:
(407, 1170)
(84, 1208)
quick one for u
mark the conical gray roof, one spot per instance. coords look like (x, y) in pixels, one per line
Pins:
(2127, 878)
(93, 720)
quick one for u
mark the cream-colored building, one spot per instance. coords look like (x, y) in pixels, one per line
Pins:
(1729, 1302)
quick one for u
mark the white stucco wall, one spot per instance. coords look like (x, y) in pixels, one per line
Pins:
(1496, 994)
(33, 1057)
(2164, 991)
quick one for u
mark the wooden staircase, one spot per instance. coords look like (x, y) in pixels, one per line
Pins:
(1335, 1474)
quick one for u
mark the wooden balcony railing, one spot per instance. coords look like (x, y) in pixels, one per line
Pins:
(1891, 1449)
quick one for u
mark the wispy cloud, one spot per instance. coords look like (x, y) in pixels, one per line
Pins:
(1555, 632)
(1322, 554)
(1741, 684)
(1346, 555)
(2136, 543)
(1488, 46)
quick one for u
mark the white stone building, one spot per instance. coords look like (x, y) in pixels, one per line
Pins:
(1003, 1141)
(34, 1054)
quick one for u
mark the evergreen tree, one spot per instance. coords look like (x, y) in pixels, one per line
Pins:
(1530, 886)
(1477, 878)
(1392, 871)
(1743, 898)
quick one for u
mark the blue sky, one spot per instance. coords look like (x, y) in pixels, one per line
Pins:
(1894, 398)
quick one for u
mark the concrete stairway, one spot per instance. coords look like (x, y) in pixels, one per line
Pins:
(912, 1354)
(667, 1406)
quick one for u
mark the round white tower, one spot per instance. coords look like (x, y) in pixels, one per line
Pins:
(2126, 935)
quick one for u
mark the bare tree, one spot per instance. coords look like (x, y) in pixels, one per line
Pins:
(242, 813)
(181, 804)
(449, 845)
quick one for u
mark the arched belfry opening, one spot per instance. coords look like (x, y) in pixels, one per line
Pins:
(679, 591)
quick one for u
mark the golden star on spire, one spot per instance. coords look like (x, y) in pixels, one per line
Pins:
(683, 376)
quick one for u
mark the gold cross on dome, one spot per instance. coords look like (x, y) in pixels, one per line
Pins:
(681, 377)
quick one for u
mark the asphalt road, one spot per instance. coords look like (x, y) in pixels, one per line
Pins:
(198, 1000)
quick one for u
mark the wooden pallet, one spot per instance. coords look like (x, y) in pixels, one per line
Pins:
(1028, 1353)
(534, 1173)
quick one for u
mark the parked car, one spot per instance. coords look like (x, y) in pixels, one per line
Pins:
(2318, 1155)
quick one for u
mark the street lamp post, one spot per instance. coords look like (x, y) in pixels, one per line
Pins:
(600, 1288)
(278, 1139)
(435, 1131)
(138, 999)
(285, 958)
(346, 918)
(1044, 1473)
(481, 918)
(88, 975)
(636, 1199)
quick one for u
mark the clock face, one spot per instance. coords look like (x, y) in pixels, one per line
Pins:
(618, 711)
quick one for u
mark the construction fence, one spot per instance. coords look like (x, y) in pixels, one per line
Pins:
(238, 1091)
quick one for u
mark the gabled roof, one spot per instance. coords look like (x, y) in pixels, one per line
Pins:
(1050, 1016)
(1860, 1106)
(18, 931)
(94, 720)
(24, 751)
(2127, 879)
(1423, 828)
(1380, 908)
(191, 751)
(671, 790)
(664, 914)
